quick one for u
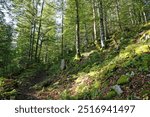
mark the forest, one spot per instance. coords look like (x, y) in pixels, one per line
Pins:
(74, 49)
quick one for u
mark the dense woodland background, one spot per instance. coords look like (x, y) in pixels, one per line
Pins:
(74, 49)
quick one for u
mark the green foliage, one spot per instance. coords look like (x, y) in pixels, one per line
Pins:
(1, 81)
(96, 93)
(77, 57)
(54, 69)
(140, 62)
(7, 88)
(9, 94)
(6, 47)
(145, 92)
(81, 88)
(110, 95)
(65, 95)
(88, 95)
(145, 26)
(123, 80)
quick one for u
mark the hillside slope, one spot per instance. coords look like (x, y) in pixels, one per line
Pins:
(122, 71)
(114, 73)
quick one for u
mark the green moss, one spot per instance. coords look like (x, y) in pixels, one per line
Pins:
(94, 74)
(124, 55)
(123, 80)
(96, 85)
(65, 95)
(82, 88)
(141, 49)
(13, 92)
(98, 45)
(1, 81)
(80, 77)
(9, 95)
(77, 57)
(145, 92)
(110, 95)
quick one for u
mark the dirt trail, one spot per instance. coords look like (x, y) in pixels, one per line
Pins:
(26, 92)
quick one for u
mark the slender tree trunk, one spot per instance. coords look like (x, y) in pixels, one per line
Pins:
(63, 65)
(94, 21)
(102, 33)
(105, 24)
(131, 16)
(46, 54)
(62, 31)
(40, 49)
(145, 17)
(30, 42)
(134, 14)
(118, 15)
(33, 40)
(34, 29)
(86, 35)
(39, 32)
(78, 55)
(141, 18)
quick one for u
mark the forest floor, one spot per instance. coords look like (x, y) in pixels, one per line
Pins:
(25, 89)
(114, 73)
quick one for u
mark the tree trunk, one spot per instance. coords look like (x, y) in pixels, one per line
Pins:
(86, 35)
(78, 55)
(39, 33)
(94, 21)
(102, 33)
(30, 42)
(46, 54)
(105, 24)
(33, 39)
(62, 31)
(134, 14)
(40, 49)
(34, 28)
(145, 17)
(131, 16)
(63, 65)
(118, 15)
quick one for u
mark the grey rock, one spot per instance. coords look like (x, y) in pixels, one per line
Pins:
(62, 64)
(117, 89)
(148, 75)
(132, 73)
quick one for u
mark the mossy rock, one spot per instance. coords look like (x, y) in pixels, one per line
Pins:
(123, 80)
(110, 95)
